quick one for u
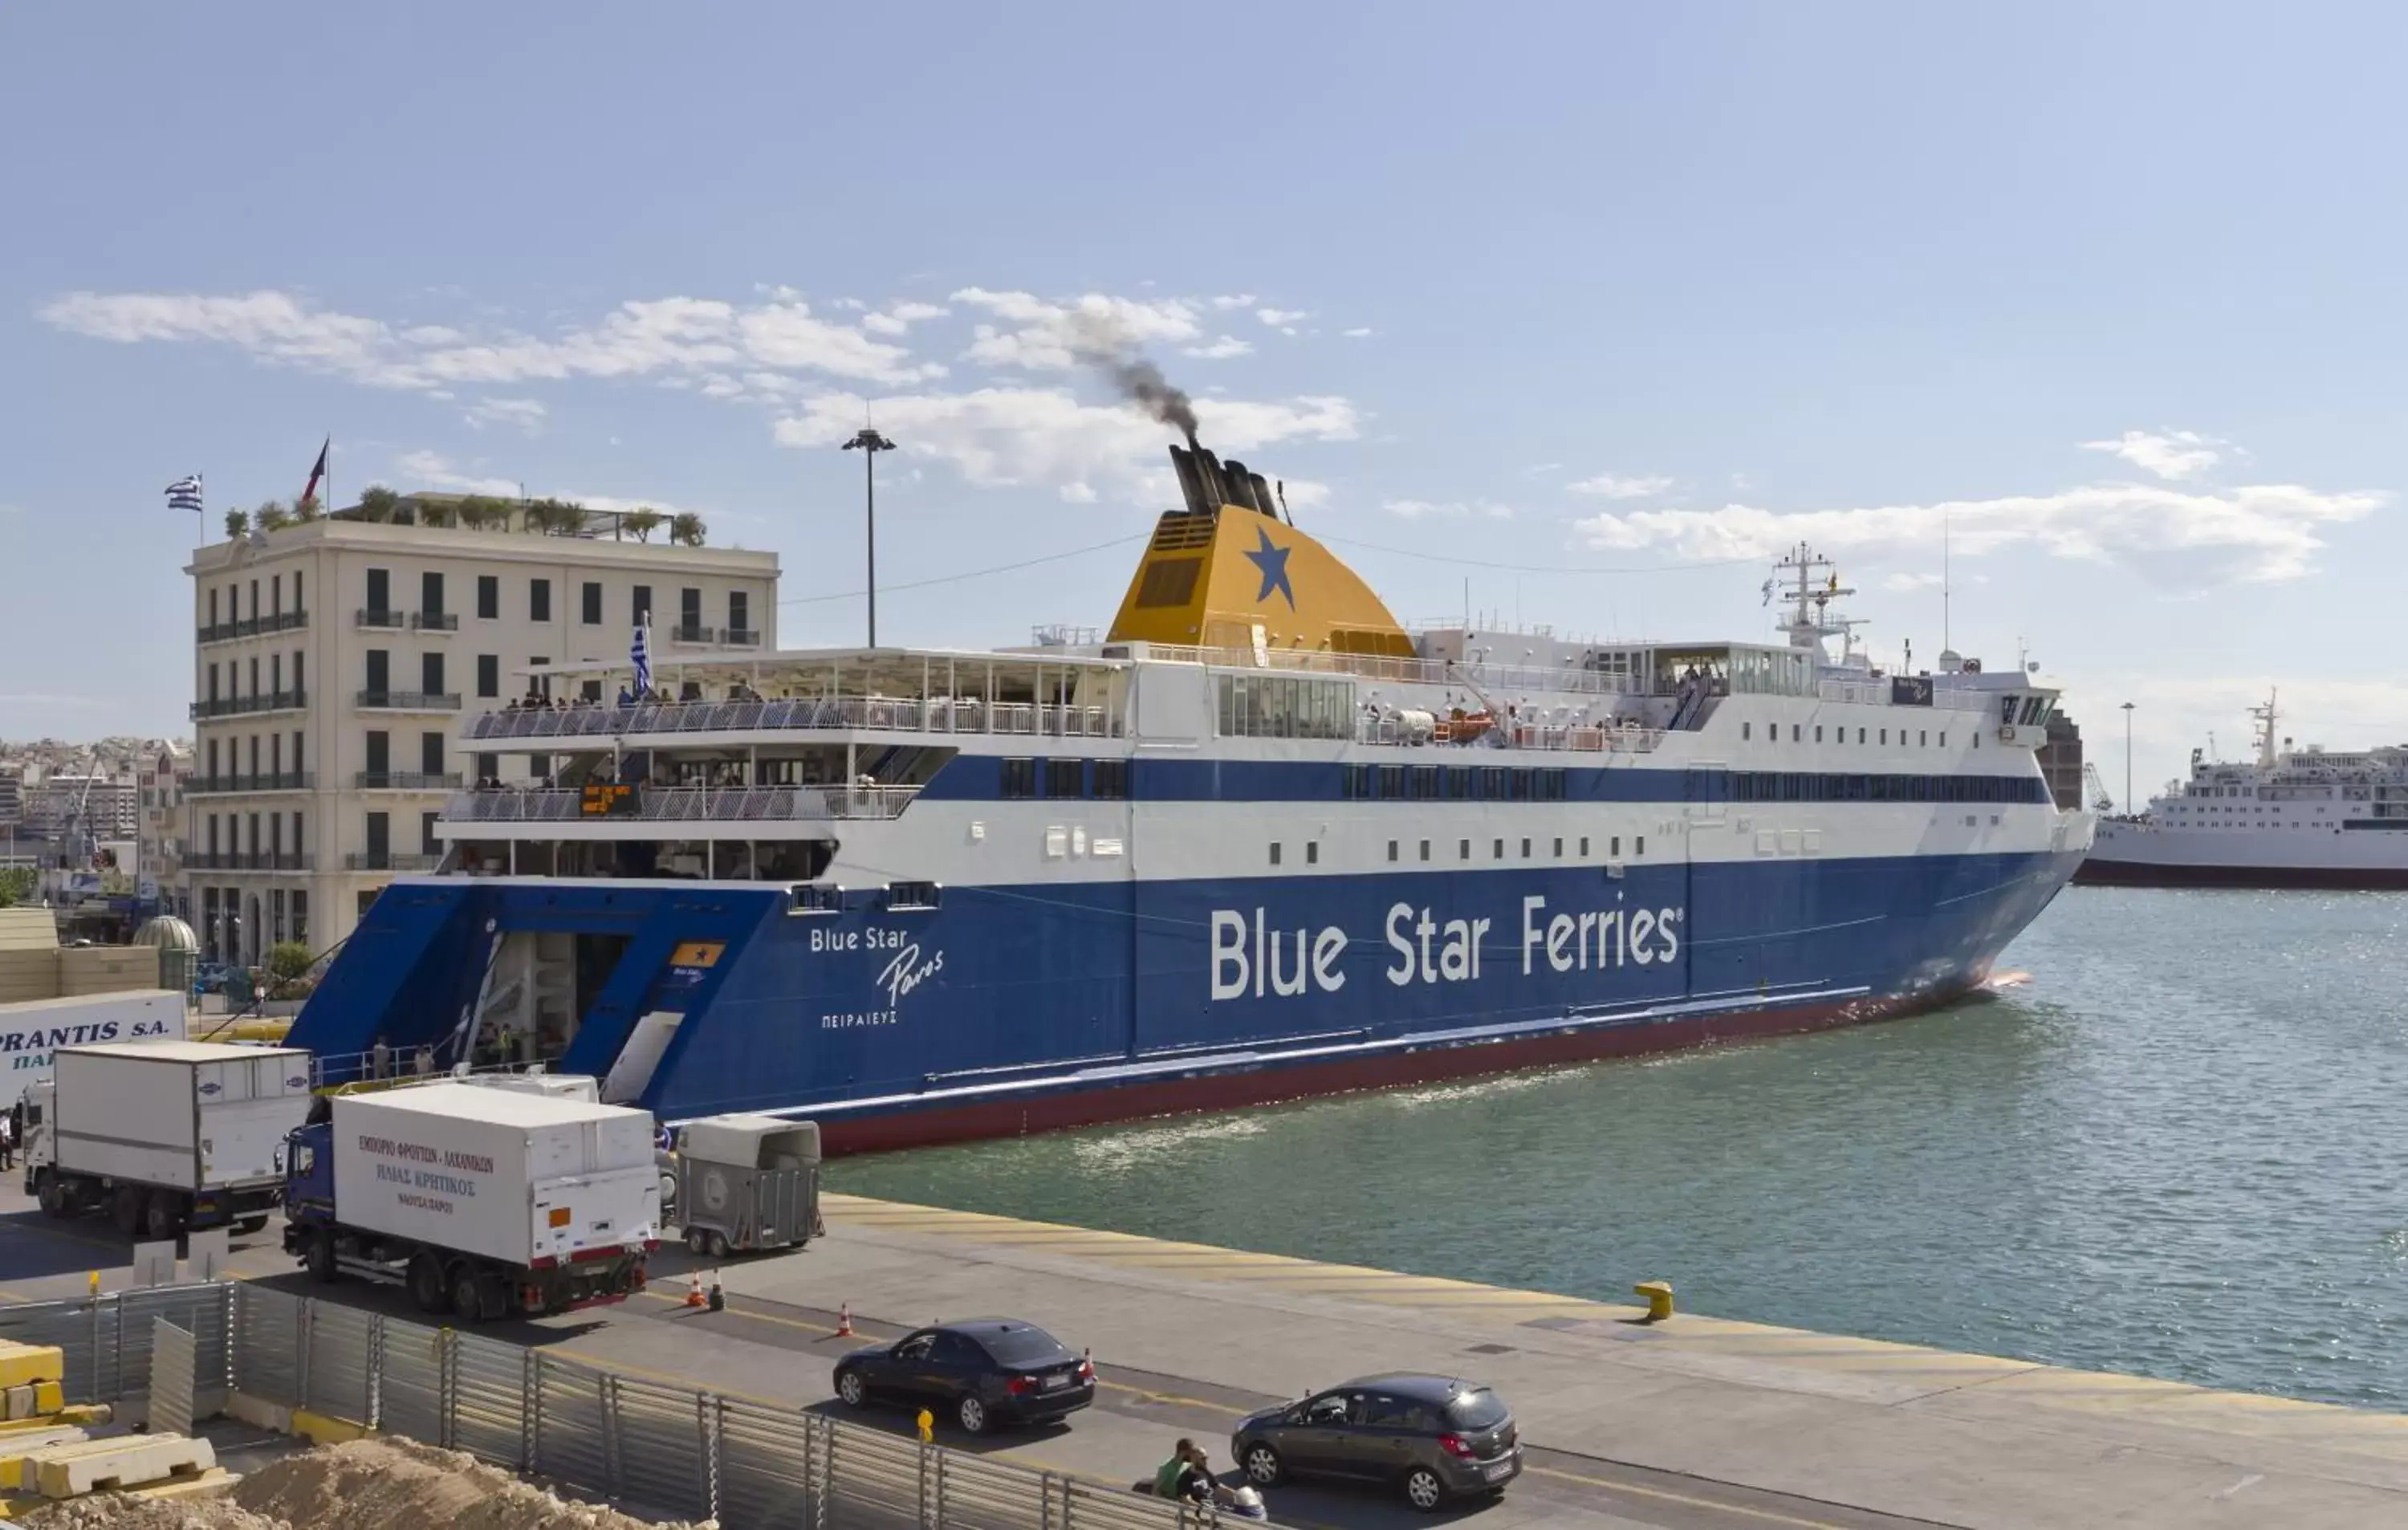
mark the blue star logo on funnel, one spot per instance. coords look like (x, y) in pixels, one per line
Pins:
(1272, 560)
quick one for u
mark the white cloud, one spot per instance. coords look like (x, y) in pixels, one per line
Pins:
(1077, 494)
(430, 470)
(672, 335)
(1303, 494)
(2181, 538)
(1903, 583)
(1234, 300)
(1358, 334)
(1281, 318)
(1046, 436)
(1607, 486)
(2176, 454)
(1424, 509)
(527, 414)
(1057, 337)
(1219, 349)
(901, 317)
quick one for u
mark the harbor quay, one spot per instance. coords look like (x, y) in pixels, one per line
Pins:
(1690, 1421)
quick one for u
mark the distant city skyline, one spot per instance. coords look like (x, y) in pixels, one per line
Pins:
(1598, 311)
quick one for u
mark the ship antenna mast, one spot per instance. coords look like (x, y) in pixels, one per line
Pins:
(1945, 585)
(1813, 620)
(2264, 717)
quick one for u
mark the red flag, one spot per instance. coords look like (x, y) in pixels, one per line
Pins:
(318, 473)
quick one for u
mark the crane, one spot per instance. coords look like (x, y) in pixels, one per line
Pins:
(2096, 789)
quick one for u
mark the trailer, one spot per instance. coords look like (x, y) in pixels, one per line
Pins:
(748, 1182)
(484, 1203)
(168, 1135)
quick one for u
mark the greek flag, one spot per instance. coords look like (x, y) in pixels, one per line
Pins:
(185, 494)
(640, 653)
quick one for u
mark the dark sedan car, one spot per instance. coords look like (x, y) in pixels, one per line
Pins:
(1434, 1436)
(984, 1372)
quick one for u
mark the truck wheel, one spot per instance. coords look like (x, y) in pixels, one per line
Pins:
(696, 1240)
(718, 1249)
(318, 1257)
(467, 1300)
(125, 1209)
(249, 1225)
(427, 1283)
(162, 1217)
(53, 1195)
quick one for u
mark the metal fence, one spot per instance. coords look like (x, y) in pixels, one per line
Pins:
(654, 1448)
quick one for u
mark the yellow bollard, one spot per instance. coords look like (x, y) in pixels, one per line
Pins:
(927, 1427)
(1659, 1298)
(96, 1283)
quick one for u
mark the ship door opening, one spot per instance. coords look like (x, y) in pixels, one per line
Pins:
(538, 990)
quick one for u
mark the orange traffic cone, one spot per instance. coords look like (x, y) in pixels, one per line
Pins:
(844, 1321)
(694, 1296)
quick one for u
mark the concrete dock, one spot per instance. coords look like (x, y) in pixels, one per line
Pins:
(1697, 1422)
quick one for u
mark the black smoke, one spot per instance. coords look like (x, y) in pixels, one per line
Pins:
(1142, 383)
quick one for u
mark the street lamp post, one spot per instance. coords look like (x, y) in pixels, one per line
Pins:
(871, 443)
(2127, 759)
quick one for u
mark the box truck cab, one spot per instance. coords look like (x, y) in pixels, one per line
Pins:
(483, 1202)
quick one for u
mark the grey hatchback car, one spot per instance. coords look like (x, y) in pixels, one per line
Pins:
(1435, 1438)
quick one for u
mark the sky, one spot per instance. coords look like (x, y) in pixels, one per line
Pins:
(1575, 313)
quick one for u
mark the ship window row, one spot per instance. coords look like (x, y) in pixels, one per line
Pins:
(1840, 735)
(1066, 779)
(1497, 848)
(1285, 706)
(1455, 783)
(1803, 786)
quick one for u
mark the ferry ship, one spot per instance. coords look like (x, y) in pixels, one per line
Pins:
(1259, 841)
(2289, 818)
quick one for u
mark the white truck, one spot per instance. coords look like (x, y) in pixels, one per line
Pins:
(168, 1136)
(482, 1202)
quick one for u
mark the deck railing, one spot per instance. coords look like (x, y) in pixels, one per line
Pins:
(686, 804)
(865, 714)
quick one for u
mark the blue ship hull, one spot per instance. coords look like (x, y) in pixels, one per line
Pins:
(1016, 1009)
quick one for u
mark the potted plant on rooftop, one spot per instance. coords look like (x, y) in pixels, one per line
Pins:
(686, 529)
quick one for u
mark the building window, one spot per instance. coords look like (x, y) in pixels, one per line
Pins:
(489, 597)
(429, 843)
(300, 916)
(489, 674)
(740, 613)
(430, 673)
(538, 600)
(430, 594)
(1275, 853)
(689, 611)
(592, 599)
(488, 767)
(213, 607)
(639, 604)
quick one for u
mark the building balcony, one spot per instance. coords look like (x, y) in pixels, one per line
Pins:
(276, 701)
(289, 780)
(868, 713)
(254, 627)
(741, 636)
(410, 701)
(407, 780)
(434, 622)
(385, 860)
(382, 620)
(251, 860)
(681, 805)
(682, 633)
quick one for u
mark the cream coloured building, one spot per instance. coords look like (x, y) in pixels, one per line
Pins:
(333, 664)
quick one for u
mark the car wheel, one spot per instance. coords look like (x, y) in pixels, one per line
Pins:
(851, 1390)
(1263, 1465)
(974, 1418)
(1423, 1491)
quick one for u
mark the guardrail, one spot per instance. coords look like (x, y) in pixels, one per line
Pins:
(655, 1448)
(874, 713)
(689, 804)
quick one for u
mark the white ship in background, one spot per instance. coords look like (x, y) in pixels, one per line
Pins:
(2303, 817)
